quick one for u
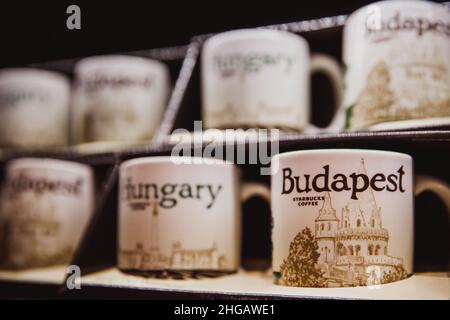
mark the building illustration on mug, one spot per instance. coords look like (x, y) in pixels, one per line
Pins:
(412, 87)
(30, 236)
(350, 251)
(179, 258)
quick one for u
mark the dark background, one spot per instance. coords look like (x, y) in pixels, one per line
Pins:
(35, 31)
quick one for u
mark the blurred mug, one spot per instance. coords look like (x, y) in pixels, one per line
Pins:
(261, 78)
(181, 215)
(45, 207)
(34, 108)
(397, 55)
(118, 98)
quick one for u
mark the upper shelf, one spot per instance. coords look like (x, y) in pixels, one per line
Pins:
(109, 153)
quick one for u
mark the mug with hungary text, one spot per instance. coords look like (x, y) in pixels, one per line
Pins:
(260, 78)
(345, 217)
(181, 215)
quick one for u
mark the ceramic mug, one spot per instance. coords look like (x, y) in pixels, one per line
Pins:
(34, 108)
(397, 57)
(260, 78)
(345, 217)
(45, 207)
(118, 98)
(177, 217)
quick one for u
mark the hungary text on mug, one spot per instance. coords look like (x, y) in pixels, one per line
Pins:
(45, 207)
(397, 55)
(34, 108)
(180, 218)
(260, 78)
(345, 217)
(118, 98)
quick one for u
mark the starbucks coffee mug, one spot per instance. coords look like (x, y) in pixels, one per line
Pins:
(118, 98)
(345, 217)
(397, 57)
(34, 108)
(260, 78)
(45, 207)
(181, 215)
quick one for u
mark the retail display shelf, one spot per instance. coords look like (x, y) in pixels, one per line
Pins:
(245, 285)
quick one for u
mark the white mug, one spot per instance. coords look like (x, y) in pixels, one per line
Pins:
(345, 217)
(397, 55)
(118, 98)
(46, 205)
(180, 215)
(260, 78)
(34, 108)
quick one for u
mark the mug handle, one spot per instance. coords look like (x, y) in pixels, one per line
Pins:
(437, 186)
(248, 191)
(331, 68)
(252, 189)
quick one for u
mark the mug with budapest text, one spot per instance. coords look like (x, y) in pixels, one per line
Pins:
(345, 217)
(397, 55)
(118, 98)
(181, 215)
(45, 207)
(34, 108)
(260, 78)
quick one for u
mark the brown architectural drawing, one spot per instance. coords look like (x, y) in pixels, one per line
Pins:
(423, 91)
(180, 258)
(352, 250)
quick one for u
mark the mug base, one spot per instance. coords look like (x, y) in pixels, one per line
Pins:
(279, 282)
(235, 126)
(407, 124)
(178, 274)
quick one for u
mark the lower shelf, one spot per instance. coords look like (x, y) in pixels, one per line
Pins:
(258, 284)
(47, 275)
(112, 283)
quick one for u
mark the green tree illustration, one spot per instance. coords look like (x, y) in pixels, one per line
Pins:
(398, 273)
(299, 268)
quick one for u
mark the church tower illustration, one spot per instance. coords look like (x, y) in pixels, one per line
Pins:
(154, 232)
(154, 235)
(361, 232)
(325, 230)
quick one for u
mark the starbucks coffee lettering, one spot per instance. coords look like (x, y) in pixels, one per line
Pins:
(354, 182)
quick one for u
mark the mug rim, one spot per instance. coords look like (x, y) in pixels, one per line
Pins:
(49, 163)
(420, 3)
(30, 74)
(167, 160)
(347, 151)
(117, 61)
(254, 33)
